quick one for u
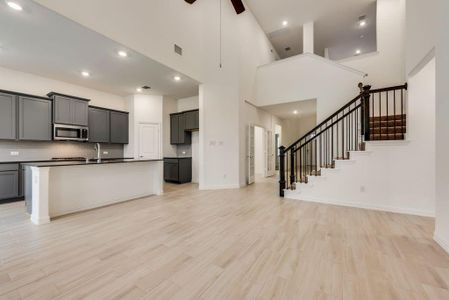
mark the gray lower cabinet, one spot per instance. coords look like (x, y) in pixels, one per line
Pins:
(99, 125)
(8, 116)
(34, 119)
(178, 170)
(70, 111)
(119, 127)
(9, 181)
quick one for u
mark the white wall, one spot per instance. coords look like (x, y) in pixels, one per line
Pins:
(387, 66)
(306, 77)
(293, 129)
(195, 157)
(421, 31)
(190, 103)
(169, 106)
(40, 86)
(259, 150)
(195, 28)
(142, 109)
(442, 125)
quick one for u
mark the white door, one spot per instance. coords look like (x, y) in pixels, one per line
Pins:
(149, 141)
(270, 153)
(251, 154)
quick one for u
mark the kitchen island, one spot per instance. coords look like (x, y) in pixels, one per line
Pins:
(59, 188)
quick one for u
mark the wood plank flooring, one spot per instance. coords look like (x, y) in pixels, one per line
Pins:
(233, 244)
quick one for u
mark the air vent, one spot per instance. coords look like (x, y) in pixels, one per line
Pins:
(146, 87)
(288, 49)
(178, 50)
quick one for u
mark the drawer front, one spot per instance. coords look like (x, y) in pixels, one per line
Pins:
(9, 167)
(171, 160)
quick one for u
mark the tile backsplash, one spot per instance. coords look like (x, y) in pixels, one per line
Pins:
(23, 151)
(184, 151)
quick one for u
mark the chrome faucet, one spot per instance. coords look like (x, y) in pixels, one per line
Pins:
(98, 149)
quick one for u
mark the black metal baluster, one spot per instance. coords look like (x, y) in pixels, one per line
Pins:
(292, 166)
(380, 114)
(394, 110)
(402, 108)
(388, 117)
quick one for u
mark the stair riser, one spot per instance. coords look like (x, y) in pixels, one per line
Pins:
(388, 130)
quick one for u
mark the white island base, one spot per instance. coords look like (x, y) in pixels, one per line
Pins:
(60, 190)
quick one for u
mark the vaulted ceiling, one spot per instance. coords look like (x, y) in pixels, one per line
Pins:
(335, 23)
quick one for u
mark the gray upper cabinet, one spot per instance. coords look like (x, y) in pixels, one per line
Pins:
(192, 120)
(8, 116)
(80, 111)
(180, 126)
(178, 131)
(34, 119)
(70, 111)
(174, 128)
(119, 127)
(99, 125)
(62, 110)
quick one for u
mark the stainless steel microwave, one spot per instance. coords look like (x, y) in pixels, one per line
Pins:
(70, 133)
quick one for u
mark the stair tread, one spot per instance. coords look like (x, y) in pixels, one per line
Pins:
(390, 117)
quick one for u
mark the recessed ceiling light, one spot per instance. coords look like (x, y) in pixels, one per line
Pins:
(358, 51)
(362, 23)
(284, 23)
(122, 54)
(177, 78)
(14, 5)
(139, 90)
(295, 112)
(85, 74)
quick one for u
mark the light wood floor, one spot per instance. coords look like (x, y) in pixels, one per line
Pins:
(234, 244)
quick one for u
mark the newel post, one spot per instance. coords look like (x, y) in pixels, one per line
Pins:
(281, 170)
(365, 97)
(292, 166)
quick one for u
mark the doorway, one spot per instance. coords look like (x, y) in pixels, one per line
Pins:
(261, 153)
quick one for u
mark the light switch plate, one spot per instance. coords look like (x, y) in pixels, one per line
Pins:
(105, 152)
(14, 153)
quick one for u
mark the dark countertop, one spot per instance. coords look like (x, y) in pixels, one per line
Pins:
(54, 160)
(89, 163)
(179, 157)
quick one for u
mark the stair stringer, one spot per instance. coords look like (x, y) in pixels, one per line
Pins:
(370, 179)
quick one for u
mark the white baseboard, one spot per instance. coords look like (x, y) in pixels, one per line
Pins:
(398, 210)
(442, 242)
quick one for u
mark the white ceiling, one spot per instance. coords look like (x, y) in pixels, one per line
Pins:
(335, 21)
(39, 41)
(285, 111)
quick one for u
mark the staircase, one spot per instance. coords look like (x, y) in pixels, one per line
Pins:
(373, 115)
(387, 128)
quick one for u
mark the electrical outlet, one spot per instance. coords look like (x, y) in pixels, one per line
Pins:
(14, 153)
(105, 152)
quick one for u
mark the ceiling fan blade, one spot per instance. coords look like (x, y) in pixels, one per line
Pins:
(190, 1)
(238, 5)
